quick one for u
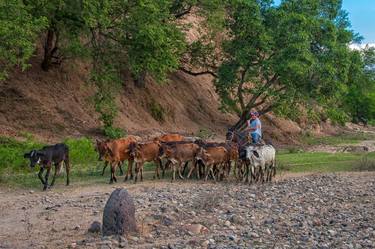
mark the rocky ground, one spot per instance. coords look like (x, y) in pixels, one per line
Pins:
(309, 211)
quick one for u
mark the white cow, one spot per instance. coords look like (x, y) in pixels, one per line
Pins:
(262, 162)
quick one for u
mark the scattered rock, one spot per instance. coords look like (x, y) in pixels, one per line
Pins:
(119, 214)
(196, 228)
(95, 227)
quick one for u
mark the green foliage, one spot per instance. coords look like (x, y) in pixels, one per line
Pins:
(18, 31)
(281, 55)
(11, 154)
(81, 150)
(359, 99)
(113, 132)
(205, 133)
(337, 116)
(157, 111)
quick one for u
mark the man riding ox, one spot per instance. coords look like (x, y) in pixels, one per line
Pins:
(254, 126)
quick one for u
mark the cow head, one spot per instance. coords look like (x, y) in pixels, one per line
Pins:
(35, 157)
(101, 147)
(133, 150)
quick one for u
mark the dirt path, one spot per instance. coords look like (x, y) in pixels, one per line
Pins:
(234, 214)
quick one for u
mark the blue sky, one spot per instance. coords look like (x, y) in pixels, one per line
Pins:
(362, 17)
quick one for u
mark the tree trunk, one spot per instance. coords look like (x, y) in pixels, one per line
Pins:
(49, 49)
(140, 80)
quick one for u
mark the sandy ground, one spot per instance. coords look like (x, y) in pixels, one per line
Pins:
(60, 217)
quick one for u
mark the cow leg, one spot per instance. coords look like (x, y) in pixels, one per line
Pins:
(112, 174)
(173, 172)
(120, 166)
(46, 177)
(136, 172)
(208, 169)
(193, 166)
(54, 175)
(213, 174)
(104, 167)
(158, 164)
(130, 164)
(164, 168)
(141, 170)
(40, 175)
(179, 170)
(184, 169)
(245, 175)
(114, 165)
(67, 170)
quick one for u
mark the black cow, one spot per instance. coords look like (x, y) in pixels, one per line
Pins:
(55, 154)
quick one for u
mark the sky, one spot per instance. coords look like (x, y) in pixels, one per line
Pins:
(361, 16)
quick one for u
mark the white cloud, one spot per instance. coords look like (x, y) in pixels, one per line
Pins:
(356, 46)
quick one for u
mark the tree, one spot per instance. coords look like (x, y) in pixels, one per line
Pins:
(359, 99)
(18, 33)
(65, 26)
(296, 51)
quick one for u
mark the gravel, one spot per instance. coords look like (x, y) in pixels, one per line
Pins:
(317, 211)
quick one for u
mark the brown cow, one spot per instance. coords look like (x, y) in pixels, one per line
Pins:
(169, 138)
(166, 138)
(178, 153)
(100, 147)
(116, 152)
(145, 152)
(212, 156)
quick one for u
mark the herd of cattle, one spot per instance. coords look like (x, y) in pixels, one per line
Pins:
(184, 156)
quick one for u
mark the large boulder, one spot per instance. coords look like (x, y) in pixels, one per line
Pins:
(119, 214)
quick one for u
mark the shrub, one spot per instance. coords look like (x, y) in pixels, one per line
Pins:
(205, 133)
(157, 111)
(113, 132)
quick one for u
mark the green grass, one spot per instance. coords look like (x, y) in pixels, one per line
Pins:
(320, 161)
(344, 138)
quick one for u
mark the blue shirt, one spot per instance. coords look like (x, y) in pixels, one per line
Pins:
(253, 124)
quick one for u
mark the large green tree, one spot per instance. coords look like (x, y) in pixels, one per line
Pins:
(19, 30)
(283, 54)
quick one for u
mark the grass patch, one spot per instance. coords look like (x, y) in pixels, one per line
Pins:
(344, 138)
(321, 161)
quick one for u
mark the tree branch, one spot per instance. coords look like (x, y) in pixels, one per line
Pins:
(198, 73)
(184, 12)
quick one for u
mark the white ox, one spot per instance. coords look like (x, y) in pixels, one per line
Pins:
(261, 163)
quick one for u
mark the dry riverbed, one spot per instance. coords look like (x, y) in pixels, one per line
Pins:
(304, 211)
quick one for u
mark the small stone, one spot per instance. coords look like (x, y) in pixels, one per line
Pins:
(77, 227)
(31, 192)
(232, 237)
(196, 228)
(73, 245)
(227, 223)
(317, 222)
(254, 235)
(205, 243)
(95, 227)
(332, 232)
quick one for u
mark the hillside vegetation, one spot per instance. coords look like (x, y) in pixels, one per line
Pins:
(70, 67)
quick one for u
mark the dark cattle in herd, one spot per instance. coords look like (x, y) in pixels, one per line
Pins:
(45, 157)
